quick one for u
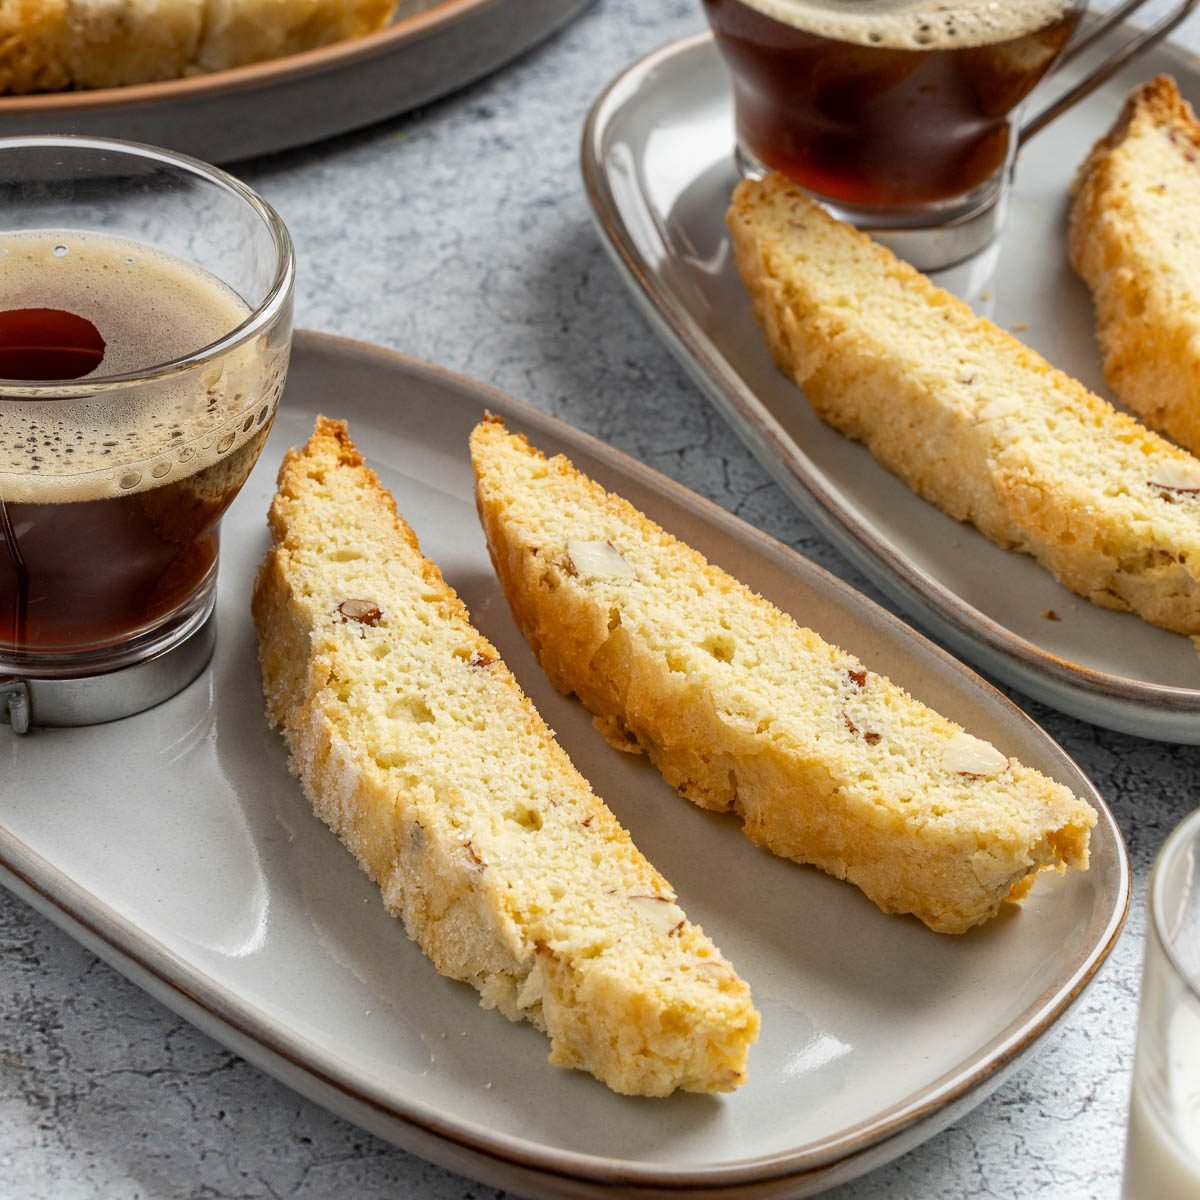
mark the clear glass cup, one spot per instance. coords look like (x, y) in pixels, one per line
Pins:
(907, 130)
(145, 329)
(1162, 1157)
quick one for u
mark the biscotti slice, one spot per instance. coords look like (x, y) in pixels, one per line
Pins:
(825, 761)
(245, 31)
(53, 45)
(1135, 241)
(418, 748)
(966, 415)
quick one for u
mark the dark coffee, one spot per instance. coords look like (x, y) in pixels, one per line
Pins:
(88, 574)
(110, 504)
(870, 103)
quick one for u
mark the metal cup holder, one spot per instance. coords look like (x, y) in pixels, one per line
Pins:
(1110, 66)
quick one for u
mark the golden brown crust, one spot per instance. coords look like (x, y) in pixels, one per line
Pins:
(968, 416)
(1157, 102)
(1133, 238)
(742, 710)
(31, 31)
(416, 745)
(55, 45)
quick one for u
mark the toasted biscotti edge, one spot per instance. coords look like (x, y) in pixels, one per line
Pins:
(787, 804)
(1030, 461)
(1146, 317)
(237, 32)
(803, 341)
(33, 38)
(634, 1041)
(56, 45)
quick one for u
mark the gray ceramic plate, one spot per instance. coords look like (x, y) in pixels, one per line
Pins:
(177, 846)
(657, 161)
(432, 47)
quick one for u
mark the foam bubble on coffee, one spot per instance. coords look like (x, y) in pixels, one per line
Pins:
(149, 308)
(916, 24)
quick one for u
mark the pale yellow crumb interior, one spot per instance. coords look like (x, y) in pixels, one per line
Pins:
(826, 760)
(417, 746)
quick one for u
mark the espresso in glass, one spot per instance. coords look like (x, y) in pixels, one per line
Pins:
(885, 103)
(110, 501)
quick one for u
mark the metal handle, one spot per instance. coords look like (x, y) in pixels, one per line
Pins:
(14, 703)
(1110, 66)
(94, 699)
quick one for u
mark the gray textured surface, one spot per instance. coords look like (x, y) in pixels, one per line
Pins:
(460, 234)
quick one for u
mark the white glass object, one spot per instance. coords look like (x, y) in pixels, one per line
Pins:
(1162, 1158)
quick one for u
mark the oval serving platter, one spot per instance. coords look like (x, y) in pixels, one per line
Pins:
(657, 159)
(430, 48)
(194, 865)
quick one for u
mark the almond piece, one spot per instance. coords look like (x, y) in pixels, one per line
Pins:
(659, 911)
(365, 612)
(997, 408)
(598, 560)
(1177, 475)
(968, 755)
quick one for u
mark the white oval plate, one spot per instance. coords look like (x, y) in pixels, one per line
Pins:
(430, 48)
(658, 165)
(176, 845)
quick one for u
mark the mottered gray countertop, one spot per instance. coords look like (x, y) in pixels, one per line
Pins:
(460, 234)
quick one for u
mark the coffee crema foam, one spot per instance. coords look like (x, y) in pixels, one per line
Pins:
(150, 308)
(913, 25)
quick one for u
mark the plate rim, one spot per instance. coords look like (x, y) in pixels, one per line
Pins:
(229, 1012)
(718, 378)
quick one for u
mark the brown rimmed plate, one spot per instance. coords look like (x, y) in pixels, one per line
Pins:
(176, 845)
(430, 48)
(657, 161)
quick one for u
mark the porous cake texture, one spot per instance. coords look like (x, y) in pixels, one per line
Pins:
(824, 760)
(53, 45)
(1134, 239)
(968, 416)
(415, 744)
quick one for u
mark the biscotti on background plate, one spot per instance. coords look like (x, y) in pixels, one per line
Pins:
(53, 45)
(415, 744)
(824, 760)
(968, 416)
(1135, 239)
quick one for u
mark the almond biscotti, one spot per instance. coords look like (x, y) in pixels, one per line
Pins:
(1134, 239)
(966, 415)
(825, 761)
(53, 45)
(418, 748)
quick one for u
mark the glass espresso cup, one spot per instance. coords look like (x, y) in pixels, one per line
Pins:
(900, 115)
(1162, 1158)
(145, 328)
